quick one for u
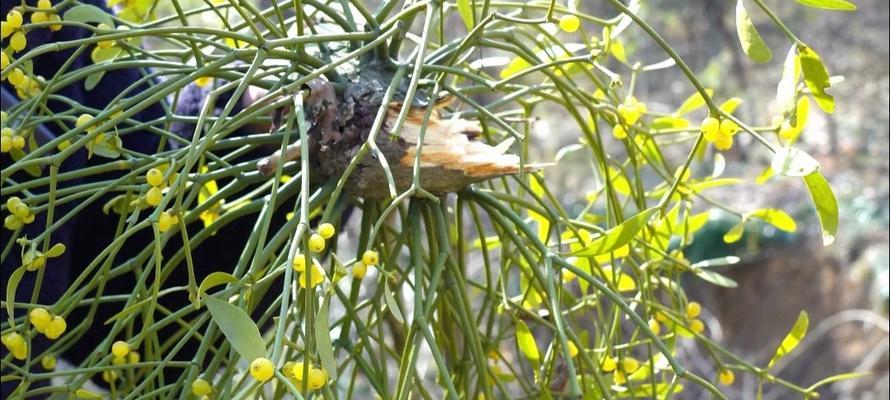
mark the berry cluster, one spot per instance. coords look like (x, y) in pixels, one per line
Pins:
(719, 132)
(630, 112)
(51, 326)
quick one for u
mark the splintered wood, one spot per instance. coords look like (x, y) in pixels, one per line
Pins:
(452, 155)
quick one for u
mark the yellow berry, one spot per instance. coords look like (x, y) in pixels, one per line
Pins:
(38, 262)
(573, 350)
(18, 142)
(16, 77)
(40, 318)
(166, 221)
(133, 357)
(608, 364)
(728, 127)
(629, 365)
(299, 262)
(14, 19)
(723, 142)
(109, 376)
(56, 26)
(12, 222)
(38, 17)
(326, 230)
(317, 378)
(569, 23)
(5, 30)
(120, 348)
(5, 144)
(316, 243)
(44, 4)
(655, 326)
(710, 127)
(83, 119)
(619, 378)
(18, 41)
(118, 361)
(16, 345)
(12, 202)
(726, 377)
(317, 277)
(619, 132)
(4, 60)
(262, 369)
(201, 387)
(48, 363)
(298, 370)
(55, 328)
(21, 210)
(370, 257)
(153, 196)
(693, 309)
(154, 177)
(203, 81)
(359, 270)
(630, 113)
(697, 326)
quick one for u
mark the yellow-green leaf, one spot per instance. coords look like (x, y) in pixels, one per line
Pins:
(826, 205)
(392, 305)
(86, 13)
(777, 218)
(815, 75)
(716, 278)
(730, 105)
(215, 279)
(752, 43)
(465, 9)
(792, 339)
(526, 342)
(11, 286)
(735, 233)
(238, 328)
(837, 5)
(693, 102)
(786, 91)
(619, 235)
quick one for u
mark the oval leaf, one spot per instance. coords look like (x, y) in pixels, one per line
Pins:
(57, 250)
(786, 91)
(618, 236)
(815, 75)
(241, 332)
(790, 161)
(752, 43)
(792, 339)
(826, 205)
(735, 233)
(392, 305)
(837, 5)
(526, 342)
(215, 279)
(86, 13)
(465, 9)
(11, 286)
(716, 278)
(777, 218)
(323, 339)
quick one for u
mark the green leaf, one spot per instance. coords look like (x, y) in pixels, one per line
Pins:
(57, 250)
(826, 205)
(465, 8)
(215, 279)
(617, 236)
(815, 75)
(790, 161)
(777, 218)
(241, 332)
(526, 342)
(127, 311)
(735, 233)
(323, 339)
(91, 81)
(669, 122)
(86, 13)
(837, 5)
(392, 305)
(792, 339)
(716, 262)
(693, 102)
(837, 378)
(716, 278)
(11, 286)
(33, 170)
(752, 43)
